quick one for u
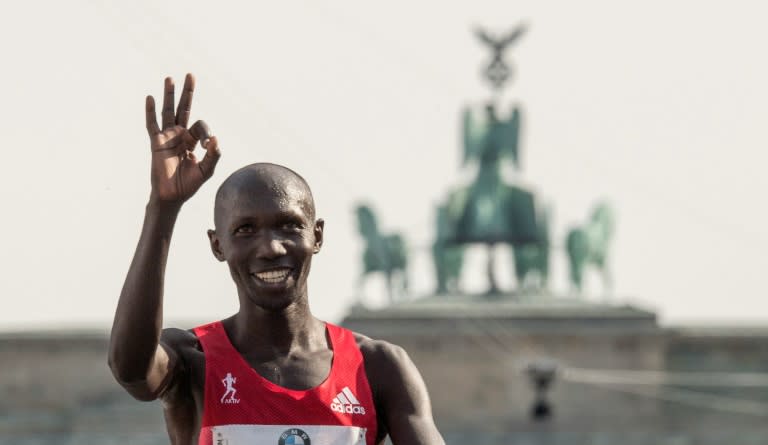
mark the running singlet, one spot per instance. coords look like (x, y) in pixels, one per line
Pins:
(242, 408)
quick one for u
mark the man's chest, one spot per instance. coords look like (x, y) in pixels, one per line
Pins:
(300, 371)
(295, 371)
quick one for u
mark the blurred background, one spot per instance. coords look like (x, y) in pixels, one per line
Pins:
(655, 107)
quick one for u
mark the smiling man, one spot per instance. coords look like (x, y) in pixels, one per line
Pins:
(272, 373)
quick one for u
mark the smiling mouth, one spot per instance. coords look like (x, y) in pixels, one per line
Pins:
(274, 276)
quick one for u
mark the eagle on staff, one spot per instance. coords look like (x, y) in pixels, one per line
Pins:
(497, 72)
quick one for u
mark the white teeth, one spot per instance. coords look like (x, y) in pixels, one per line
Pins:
(273, 276)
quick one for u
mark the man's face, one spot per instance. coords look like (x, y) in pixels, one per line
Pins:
(267, 236)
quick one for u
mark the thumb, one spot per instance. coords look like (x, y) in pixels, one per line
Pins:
(212, 154)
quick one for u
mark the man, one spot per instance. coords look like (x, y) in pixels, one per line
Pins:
(271, 373)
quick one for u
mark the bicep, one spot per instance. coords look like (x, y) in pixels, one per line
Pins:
(407, 408)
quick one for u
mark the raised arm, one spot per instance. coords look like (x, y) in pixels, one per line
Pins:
(139, 361)
(402, 395)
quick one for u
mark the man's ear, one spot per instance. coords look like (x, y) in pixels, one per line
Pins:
(215, 248)
(319, 226)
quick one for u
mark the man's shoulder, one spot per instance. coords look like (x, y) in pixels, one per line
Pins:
(187, 337)
(180, 340)
(373, 346)
(380, 355)
(189, 370)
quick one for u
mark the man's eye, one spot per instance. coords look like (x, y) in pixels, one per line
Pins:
(247, 228)
(292, 226)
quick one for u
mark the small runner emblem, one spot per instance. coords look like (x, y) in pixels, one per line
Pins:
(229, 385)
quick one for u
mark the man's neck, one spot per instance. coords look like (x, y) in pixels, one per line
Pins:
(280, 332)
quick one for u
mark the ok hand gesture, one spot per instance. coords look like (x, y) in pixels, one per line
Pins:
(176, 172)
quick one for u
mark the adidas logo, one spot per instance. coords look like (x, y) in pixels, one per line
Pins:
(346, 403)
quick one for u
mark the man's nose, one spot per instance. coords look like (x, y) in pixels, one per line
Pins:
(270, 248)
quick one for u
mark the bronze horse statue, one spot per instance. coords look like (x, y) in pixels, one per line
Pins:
(385, 253)
(588, 245)
(532, 259)
(447, 258)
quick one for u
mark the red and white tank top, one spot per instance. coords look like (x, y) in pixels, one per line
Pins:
(242, 407)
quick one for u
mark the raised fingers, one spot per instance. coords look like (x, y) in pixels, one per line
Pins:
(169, 119)
(149, 107)
(185, 103)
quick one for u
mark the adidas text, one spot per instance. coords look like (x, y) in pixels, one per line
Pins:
(347, 409)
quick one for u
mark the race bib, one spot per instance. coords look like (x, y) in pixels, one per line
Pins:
(288, 435)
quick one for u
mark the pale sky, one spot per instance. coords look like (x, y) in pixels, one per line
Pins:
(657, 106)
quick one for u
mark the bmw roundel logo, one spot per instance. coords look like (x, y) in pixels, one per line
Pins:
(294, 436)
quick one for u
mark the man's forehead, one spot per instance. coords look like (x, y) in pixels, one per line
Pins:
(262, 197)
(265, 177)
(263, 186)
(265, 189)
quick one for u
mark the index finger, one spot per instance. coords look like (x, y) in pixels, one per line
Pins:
(185, 104)
(200, 131)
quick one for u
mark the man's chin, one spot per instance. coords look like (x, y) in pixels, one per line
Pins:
(273, 303)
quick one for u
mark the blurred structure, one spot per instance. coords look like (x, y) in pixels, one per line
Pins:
(620, 377)
(588, 245)
(542, 374)
(490, 210)
(611, 375)
(498, 71)
(385, 253)
(56, 388)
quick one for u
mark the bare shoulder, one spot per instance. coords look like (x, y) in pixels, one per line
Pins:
(179, 339)
(184, 344)
(189, 363)
(380, 352)
(387, 365)
(374, 348)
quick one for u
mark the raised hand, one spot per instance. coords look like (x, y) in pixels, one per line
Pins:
(176, 172)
